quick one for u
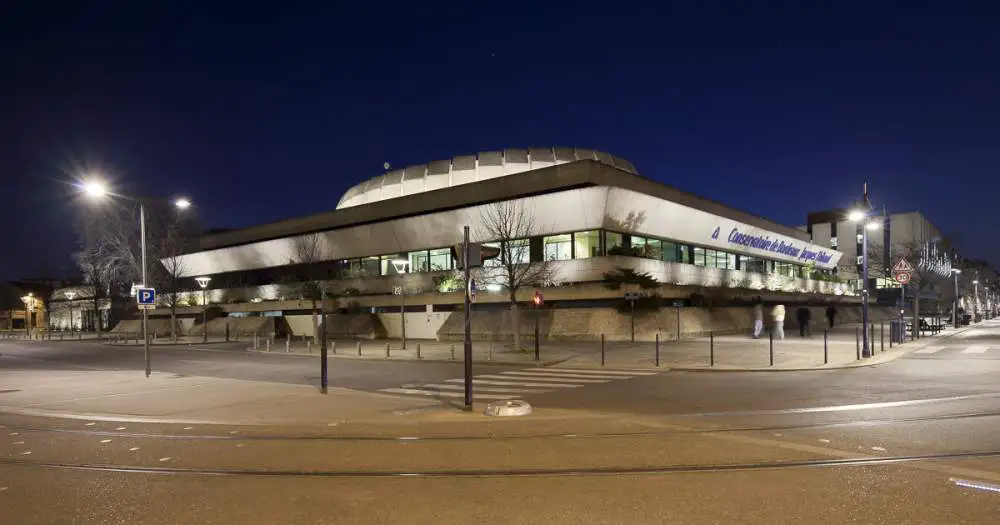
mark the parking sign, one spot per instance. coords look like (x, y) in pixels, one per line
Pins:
(146, 298)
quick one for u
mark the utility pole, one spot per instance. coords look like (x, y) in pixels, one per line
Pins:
(468, 320)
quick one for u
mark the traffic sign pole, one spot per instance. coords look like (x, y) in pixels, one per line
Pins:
(145, 282)
(468, 319)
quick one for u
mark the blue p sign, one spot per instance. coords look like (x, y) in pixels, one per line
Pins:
(146, 296)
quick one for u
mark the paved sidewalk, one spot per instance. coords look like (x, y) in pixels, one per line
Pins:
(731, 352)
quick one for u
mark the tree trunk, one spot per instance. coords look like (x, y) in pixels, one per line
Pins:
(315, 321)
(97, 316)
(173, 321)
(515, 318)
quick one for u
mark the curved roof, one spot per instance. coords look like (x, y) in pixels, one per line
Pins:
(468, 169)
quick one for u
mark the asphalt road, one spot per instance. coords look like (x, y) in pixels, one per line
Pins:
(912, 441)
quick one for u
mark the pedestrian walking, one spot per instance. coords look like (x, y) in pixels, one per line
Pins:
(803, 316)
(758, 319)
(831, 314)
(778, 316)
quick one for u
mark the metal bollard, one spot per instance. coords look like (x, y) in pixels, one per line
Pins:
(602, 349)
(387, 350)
(711, 349)
(881, 336)
(857, 341)
(418, 351)
(770, 338)
(333, 347)
(309, 346)
(288, 343)
(826, 351)
(489, 355)
(256, 342)
(657, 350)
(268, 343)
(452, 352)
(359, 348)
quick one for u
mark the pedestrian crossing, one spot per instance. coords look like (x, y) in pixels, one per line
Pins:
(958, 349)
(515, 384)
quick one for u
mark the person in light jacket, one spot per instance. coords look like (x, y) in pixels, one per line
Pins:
(758, 319)
(778, 316)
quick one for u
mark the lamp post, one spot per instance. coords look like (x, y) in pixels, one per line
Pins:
(975, 300)
(97, 190)
(401, 265)
(70, 296)
(859, 216)
(954, 308)
(29, 308)
(203, 282)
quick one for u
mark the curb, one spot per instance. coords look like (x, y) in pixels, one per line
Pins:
(872, 361)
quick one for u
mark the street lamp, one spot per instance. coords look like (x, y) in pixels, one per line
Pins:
(975, 301)
(858, 216)
(70, 296)
(203, 282)
(29, 308)
(401, 265)
(97, 190)
(954, 308)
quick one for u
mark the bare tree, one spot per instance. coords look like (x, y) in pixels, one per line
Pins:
(309, 279)
(171, 247)
(508, 226)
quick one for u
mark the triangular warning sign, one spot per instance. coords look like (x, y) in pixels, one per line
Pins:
(902, 265)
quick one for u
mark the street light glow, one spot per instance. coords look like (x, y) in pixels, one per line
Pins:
(182, 203)
(856, 215)
(95, 188)
(976, 281)
(956, 270)
(873, 226)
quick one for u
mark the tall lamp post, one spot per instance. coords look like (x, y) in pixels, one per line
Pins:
(29, 308)
(864, 215)
(70, 296)
(203, 282)
(97, 190)
(401, 265)
(954, 307)
(975, 301)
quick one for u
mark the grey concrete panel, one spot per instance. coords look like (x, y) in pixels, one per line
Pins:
(564, 154)
(541, 157)
(438, 175)
(414, 179)
(585, 154)
(373, 191)
(463, 170)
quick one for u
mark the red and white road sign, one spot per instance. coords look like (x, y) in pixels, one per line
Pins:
(901, 277)
(902, 265)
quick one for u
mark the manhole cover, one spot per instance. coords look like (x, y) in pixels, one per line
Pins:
(9, 391)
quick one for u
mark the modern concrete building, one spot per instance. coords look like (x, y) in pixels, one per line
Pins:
(591, 211)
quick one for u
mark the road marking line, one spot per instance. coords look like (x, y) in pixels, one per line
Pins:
(558, 377)
(26, 453)
(602, 371)
(976, 349)
(566, 374)
(476, 388)
(133, 449)
(878, 449)
(844, 408)
(18, 443)
(412, 391)
(929, 350)
(577, 382)
(513, 383)
(975, 484)
(105, 441)
(168, 458)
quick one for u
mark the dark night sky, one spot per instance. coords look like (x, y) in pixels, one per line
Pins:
(773, 107)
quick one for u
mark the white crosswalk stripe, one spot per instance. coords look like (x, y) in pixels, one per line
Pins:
(519, 377)
(413, 391)
(628, 373)
(532, 373)
(929, 350)
(516, 383)
(976, 349)
(479, 381)
(477, 388)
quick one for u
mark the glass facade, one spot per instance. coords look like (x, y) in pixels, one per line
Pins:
(586, 244)
(567, 246)
(558, 247)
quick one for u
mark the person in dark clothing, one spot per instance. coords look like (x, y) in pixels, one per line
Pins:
(803, 316)
(831, 314)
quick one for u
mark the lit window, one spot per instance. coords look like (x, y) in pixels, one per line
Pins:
(653, 249)
(833, 243)
(699, 256)
(670, 252)
(441, 260)
(588, 244)
(558, 247)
